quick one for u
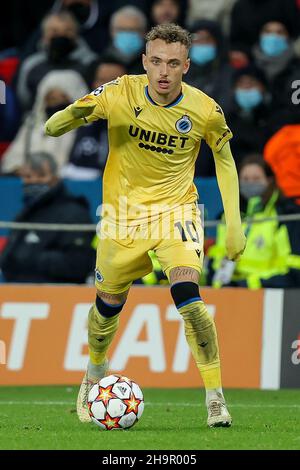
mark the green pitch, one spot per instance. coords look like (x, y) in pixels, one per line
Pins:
(45, 418)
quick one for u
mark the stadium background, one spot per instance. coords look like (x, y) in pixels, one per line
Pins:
(259, 330)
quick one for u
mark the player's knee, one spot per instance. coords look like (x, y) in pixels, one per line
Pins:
(108, 310)
(184, 293)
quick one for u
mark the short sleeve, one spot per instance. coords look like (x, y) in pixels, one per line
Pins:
(106, 96)
(217, 132)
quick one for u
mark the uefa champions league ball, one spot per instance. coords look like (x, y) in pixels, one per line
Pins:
(115, 402)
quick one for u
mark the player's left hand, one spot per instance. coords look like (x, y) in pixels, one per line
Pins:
(235, 242)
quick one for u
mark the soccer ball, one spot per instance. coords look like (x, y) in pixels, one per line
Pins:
(115, 402)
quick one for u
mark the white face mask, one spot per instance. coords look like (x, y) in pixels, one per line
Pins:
(249, 189)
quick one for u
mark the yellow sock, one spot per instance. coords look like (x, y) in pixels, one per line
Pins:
(101, 333)
(201, 335)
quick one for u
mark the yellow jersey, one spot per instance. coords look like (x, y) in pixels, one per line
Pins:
(153, 148)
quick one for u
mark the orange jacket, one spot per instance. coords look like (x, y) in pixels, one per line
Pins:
(282, 153)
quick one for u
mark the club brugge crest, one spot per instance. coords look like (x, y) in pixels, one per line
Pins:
(184, 124)
(98, 276)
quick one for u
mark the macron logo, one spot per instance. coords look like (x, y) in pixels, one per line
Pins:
(137, 111)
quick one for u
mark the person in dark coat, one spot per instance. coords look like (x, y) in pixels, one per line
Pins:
(127, 29)
(48, 256)
(210, 70)
(248, 17)
(60, 48)
(274, 54)
(88, 155)
(250, 112)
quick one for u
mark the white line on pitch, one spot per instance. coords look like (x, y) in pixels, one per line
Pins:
(177, 404)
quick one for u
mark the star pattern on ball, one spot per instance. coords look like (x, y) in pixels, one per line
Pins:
(132, 404)
(109, 422)
(105, 394)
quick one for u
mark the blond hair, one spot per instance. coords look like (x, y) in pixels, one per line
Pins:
(169, 33)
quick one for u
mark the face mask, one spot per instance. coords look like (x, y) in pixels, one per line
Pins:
(80, 11)
(203, 53)
(248, 99)
(33, 192)
(50, 110)
(128, 42)
(273, 44)
(248, 189)
(59, 48)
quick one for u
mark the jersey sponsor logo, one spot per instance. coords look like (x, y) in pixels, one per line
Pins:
(153, 148)
(158, 138)
(98, 276)
(137, 111)
(184, 124)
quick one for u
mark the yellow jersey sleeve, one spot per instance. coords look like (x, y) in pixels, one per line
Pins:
(217, 132)
(106, 97)
(66, 120)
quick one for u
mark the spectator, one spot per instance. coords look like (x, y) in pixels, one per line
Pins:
(90, 149)
(19, 19)
(272, 254)
(93, 19)
(55, 91)
(248, 17)
(165, 11)
(48, 256)
(282, 153)
(9, 116)
(275, 56)
(218, 10)
(212, 74)
(250, 112)
(210, 70)
(106, 70)
(127, 29)
(61, 48)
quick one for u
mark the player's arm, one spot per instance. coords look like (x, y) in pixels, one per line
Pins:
(72, 117)
(89, 108)
(229, 187)
(217, 136)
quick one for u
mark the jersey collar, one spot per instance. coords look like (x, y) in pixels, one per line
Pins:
(170, 105)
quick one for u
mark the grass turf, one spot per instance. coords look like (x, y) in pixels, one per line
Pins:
(45, 418)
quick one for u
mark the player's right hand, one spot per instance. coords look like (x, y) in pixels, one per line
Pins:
(235, 243)
(83, 107)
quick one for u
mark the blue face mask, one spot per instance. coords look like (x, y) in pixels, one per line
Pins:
(128, 42)
(273, 44)
(248, 99)
(203, 53)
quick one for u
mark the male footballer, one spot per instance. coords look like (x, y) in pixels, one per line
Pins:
(156, 123)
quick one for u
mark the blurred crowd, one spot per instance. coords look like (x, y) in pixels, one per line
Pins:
(245, 54)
